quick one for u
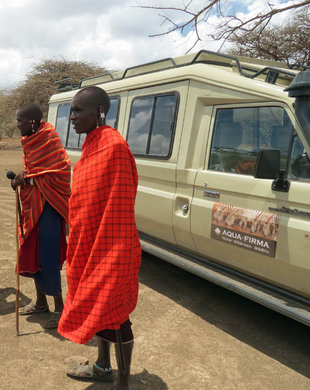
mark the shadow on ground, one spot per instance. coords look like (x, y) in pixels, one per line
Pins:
(8, 306)
(275, 335)
(141, 381)
(8, 300)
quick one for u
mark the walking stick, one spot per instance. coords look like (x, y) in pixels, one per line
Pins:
(10, 175)
(17, 264)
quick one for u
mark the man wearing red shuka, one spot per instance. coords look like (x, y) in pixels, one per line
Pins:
(104, 251)
(45, 191)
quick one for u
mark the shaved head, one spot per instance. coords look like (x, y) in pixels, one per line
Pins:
(94, 97)
(89, 108)
(30, 111)
(28, 118)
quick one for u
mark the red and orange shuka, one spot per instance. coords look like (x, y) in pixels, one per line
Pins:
(104, 251)
(45, 160)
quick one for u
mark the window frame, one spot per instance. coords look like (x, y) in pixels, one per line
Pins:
(290, 175)
(244, 106)
(176, 112)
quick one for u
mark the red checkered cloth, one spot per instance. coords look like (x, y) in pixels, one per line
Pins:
(45, 160)
(104, 251)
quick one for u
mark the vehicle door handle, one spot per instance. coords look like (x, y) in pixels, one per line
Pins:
(185, 209)
(211, 194)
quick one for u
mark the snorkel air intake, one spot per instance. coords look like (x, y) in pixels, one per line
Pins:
(300, 90)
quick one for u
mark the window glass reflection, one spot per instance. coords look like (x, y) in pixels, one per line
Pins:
(151, 125)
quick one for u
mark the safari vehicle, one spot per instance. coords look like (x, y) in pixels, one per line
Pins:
(224, 173)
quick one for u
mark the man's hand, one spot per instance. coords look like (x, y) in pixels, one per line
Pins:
(19, 180)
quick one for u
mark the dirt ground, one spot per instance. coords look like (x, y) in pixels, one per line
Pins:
(189, 334)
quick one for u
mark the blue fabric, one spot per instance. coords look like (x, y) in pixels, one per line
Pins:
(48, 278)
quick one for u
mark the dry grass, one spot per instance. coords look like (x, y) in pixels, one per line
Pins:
(10, 143)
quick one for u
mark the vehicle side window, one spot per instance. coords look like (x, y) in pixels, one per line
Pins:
(151, 125)
(62, 119)
(239, 133)
(64, 127)
(300, 163)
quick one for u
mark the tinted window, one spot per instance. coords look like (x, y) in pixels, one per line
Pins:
(240, 132)
(152, 123)
(140, 124)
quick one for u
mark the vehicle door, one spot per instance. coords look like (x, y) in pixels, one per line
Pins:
(241, 221)
(154, 126)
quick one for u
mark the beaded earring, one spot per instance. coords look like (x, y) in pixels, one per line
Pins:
(32, 125)
(101, 121)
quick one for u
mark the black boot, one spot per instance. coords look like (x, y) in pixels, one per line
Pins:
(123, 356)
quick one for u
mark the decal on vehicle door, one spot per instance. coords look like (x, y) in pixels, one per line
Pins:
(250, 229)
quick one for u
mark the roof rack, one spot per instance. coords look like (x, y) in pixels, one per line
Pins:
(149, 67)
(101, 78)
(272, 73)
(265, 70)
(66, 84)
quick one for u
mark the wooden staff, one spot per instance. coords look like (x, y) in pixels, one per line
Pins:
(17, 262)
(10, 175)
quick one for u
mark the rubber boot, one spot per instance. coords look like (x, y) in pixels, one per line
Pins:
(123, 367)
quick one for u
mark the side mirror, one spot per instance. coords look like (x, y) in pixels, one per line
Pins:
(267, 164)
(268, 167)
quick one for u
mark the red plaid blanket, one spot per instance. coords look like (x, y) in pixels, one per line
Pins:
(104, 252)
(47, 162)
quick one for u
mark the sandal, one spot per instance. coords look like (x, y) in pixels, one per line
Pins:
(87, 374)
(52, 322)
(33, 308)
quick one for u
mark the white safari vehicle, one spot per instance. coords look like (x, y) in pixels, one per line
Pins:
(224, 174)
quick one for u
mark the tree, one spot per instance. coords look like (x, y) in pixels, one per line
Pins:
(288, 43)
(230, 22)
(7, 117)
(41, 82)
(38, 87)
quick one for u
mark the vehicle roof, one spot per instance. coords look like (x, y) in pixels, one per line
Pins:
(259, 77)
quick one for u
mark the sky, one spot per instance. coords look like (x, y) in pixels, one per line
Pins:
(112, 34)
